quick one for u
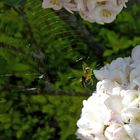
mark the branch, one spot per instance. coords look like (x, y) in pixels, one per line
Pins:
(48, 92)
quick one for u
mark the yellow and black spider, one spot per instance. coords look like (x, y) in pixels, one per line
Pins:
(87, 77)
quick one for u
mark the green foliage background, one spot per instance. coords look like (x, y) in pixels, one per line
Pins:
(41, 58)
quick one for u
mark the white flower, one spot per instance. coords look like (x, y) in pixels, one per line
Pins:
(116, 132)
(130, 115)
(133, 130)
(136, 54)
(100, 11)
(110, 116)
(105, 13)
(55, 4)
(94, 114)
(114, 103)
(117, 71)
(129, 97)
(108, 87)
(135, 77)
(69, 5)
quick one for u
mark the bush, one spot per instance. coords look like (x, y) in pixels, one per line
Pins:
(41, 58)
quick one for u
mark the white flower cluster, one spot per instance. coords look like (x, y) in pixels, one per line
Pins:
(100, 11)
(113, 112)
(125, 71)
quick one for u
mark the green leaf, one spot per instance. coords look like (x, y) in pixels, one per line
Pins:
(3, 66)
(20, 67)
(38, 99)
(4, 118)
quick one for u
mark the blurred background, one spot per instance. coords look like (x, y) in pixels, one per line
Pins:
(47, 60)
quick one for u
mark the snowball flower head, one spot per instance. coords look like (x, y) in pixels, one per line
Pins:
(125, 71)
(100, 11)
(113, 110)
